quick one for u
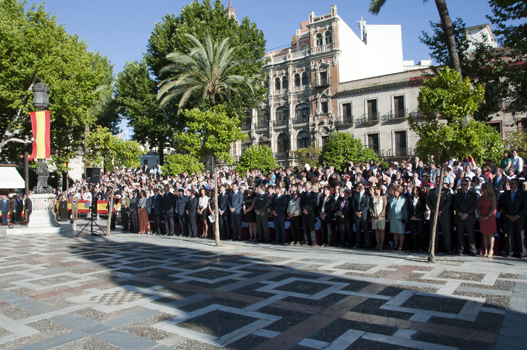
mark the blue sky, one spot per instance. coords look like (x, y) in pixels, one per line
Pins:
(120, 29)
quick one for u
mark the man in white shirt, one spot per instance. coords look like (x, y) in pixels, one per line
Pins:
(517, 161)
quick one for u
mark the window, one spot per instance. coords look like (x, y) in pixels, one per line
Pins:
(277, 84)
(303, 140)
(284, 83)
(329, 38)
(346, 113)
(305, 80)
(302, 111)
(282, 113)
(304, 47)
(320, 39)
(324, 139)
(323, 78)
(263, 119)
(400, 144)
(373, 142)
(372, 110)
(398, 107)
(264, 140)
(496, 126)
(324, 106)
(297, 79)
(283, 143)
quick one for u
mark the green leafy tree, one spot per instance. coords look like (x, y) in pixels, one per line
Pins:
(509, 18)
(341, 148)
(205, 72)
(446, 23)
(33, 47)
(481, 64)
(178, 163)
(446, 102)
(210, 134)
(135, 96)
(105, 148)
(257, 156)
(202, 20)
(517, 140)
(308, 155)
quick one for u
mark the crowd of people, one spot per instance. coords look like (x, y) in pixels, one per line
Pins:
(355, 208)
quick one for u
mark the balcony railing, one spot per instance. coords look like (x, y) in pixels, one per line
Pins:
(281, 155)
(301, 120)
(399, 114)
(282, 122)
(370, 119)
(322, 82)
(262, 124)
(399, 152)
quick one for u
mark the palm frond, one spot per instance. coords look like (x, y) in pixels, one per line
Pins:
(375, 6)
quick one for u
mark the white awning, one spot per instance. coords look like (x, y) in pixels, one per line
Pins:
(10, 178)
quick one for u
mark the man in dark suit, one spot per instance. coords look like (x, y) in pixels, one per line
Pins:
(134, 205)
(235, 207)
(149, 206)
(191, 211)
(181, 210)
(278, 206)
(361, 207)
(465, 204)
(343, 211)
(444, 210)
(158, 210)
(4, 208)
(223, 200)
(308, 205)
(499, 182)
(29, 206)
(326, 208)
(513, 207)
(169, 205)
(261, 208)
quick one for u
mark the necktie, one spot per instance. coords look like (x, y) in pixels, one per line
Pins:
(360, 198)
(323, 209)
(463, 201)
(512, 196)
(343, 204)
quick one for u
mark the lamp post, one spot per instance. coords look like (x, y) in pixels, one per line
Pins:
(41, 103)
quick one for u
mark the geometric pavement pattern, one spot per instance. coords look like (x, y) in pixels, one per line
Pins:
(142, 292)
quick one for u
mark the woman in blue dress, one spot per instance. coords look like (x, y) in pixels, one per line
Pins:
(397, 216)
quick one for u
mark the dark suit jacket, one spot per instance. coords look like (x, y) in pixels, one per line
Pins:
(279, 204)
(182, 205)
(498, 185)
(262, 204)
(518, 207)
(134, 203)
(158, 204)
(420, 207)
(470, 204)
(223, 201)
(346, 210)
(236, 201)
(445, 202)
(192, 206)
(309, 202)
(169, 203)
(328, 208)
(29, 206)
(363, 206)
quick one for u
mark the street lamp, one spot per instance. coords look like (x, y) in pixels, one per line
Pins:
(41, 103)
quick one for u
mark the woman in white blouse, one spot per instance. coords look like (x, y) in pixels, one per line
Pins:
(203, 204)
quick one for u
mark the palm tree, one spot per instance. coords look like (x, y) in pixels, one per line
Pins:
(448, 29)
(205, 73)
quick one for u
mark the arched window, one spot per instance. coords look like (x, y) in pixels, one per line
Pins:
(282, 143)
(302, 111)
(303, 140)
(305, 79)
(282, 113)
(320, 39)
(304, 47)
(285, 82)
(263, 118)
(329, 38)
(297, 79)
(277, 83)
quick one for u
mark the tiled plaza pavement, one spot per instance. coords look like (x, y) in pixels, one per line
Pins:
(143, 292)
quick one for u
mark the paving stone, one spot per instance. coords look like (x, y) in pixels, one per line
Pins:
(217, 323)
(250, 290)
(353, 286)
(485, 322)
(288, 319)
(364, 344)
(211, 301)
(101, 316)
(303, 287)
(432, 303)
(15, 313)
(248, 342)
(372, 307)
(88, 343)
(325, 302)
(356, 267)
(334, 330)
(49, 325)
(461, 344)
(467, 276)
(210, 274)
(211, 285)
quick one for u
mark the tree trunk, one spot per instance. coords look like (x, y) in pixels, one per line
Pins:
(433, 226)
(110, 213)
(161, 153)
(216, 210)
(448, 29)
(86, 133)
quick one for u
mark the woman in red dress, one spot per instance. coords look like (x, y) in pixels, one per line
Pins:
(487, 220)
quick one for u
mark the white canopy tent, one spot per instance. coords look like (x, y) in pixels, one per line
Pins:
(10, 178)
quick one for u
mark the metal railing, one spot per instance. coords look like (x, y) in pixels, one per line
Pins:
(301, 120)
(346, 120)
(281, 155)
(282, 122)
(262, 124)
(399, 113)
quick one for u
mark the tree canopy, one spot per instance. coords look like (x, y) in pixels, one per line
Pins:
(341, 148)
(257, 156)
(35, 47)
(178, 163)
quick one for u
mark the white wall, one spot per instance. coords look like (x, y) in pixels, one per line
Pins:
(382, 54)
